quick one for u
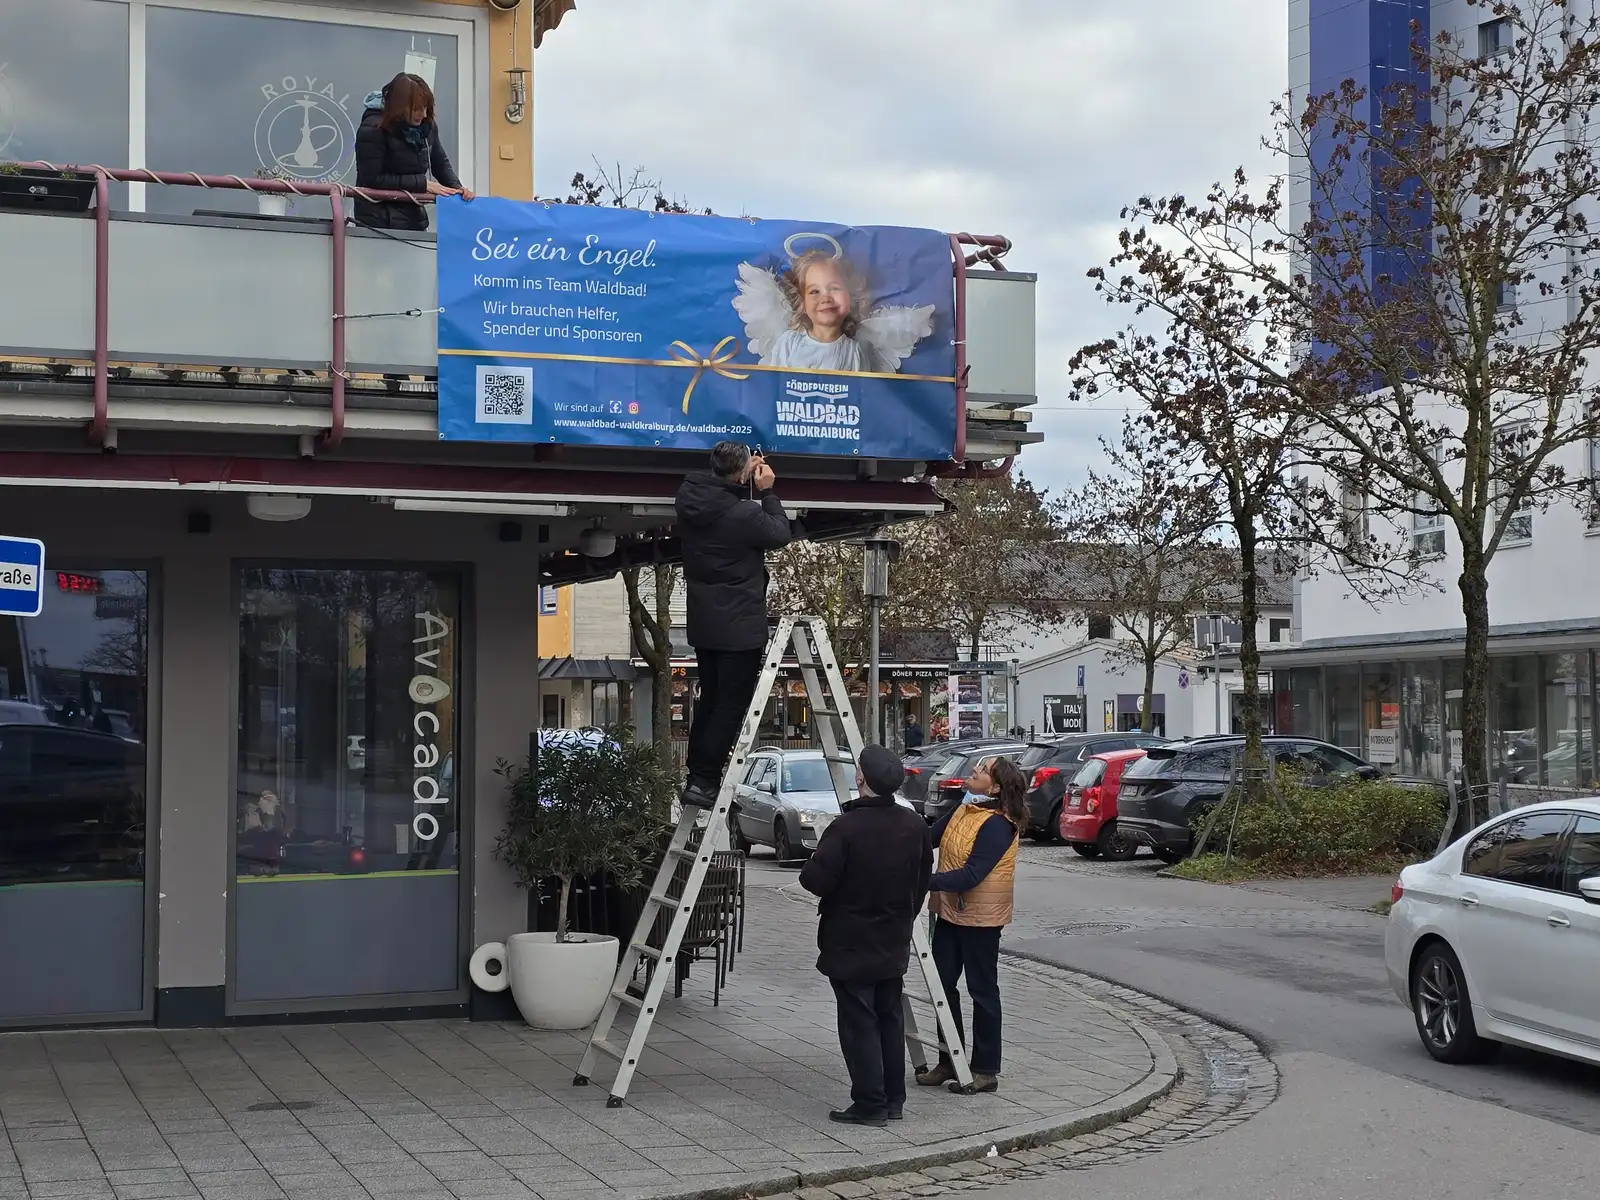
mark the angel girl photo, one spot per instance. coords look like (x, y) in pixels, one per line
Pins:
(817, 315)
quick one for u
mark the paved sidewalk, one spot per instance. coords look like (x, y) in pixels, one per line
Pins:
(727, 1100)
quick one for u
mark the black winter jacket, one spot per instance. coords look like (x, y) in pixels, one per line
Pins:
(725, 539)
(386, 161)
(871, 872)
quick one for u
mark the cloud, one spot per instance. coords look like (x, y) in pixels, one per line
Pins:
(1037, 119)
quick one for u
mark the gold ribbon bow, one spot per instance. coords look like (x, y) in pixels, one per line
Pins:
(686, 355)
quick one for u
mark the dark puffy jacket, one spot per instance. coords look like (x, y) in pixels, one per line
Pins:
(385, 160)
(725, 539)
(871, 872)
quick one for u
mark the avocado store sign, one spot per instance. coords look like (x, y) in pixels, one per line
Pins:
(21, 577)
(427, 692)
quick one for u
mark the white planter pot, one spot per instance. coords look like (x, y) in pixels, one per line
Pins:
(272, 204)
(560, 985)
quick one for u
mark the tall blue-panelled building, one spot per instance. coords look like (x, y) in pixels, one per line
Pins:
(1369, 42)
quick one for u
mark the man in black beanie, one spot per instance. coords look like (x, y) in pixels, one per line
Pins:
(871, 872)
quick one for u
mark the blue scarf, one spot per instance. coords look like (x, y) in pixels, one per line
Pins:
(418, 136)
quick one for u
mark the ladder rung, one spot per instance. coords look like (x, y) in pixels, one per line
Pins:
(841, 758)
(934, 1044)
(628, 1000)
(647, 952)
(608, 1049)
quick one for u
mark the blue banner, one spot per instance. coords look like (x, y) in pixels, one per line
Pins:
(612, 327)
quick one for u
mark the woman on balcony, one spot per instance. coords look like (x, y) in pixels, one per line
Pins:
(398, 149)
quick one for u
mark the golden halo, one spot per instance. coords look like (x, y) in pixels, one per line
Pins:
(788, 243)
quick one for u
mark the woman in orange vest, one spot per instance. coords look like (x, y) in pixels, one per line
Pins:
(972, 899)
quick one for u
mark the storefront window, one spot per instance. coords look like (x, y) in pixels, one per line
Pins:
(64, 83)
(1422, 709)
(1514, 719)
(72, 732)
(1453, 709)
(1568, 743)
(1344, 707)
(347, 722)
(1380, 714)
(1305, 704)
(230, 93)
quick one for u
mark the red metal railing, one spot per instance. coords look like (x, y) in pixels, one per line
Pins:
(331, 437)
(990, 249)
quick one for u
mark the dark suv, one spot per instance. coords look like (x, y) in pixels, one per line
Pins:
(922, 762)
(1171, 785)
(1050, 765)
(949, 779)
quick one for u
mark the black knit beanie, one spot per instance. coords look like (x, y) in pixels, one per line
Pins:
(881, 769)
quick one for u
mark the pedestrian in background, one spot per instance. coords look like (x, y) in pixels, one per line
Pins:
(972, 902)
(870, 871)
(912, 735)
(728, 518)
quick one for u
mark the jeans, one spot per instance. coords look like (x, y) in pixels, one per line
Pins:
(727, 685)
(975, 951)
(872, 1038)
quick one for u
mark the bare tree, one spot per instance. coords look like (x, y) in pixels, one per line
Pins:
(650, 626)
(1423, 328)
(1141, 555)
(991, 560)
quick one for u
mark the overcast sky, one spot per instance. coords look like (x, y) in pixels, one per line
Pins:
(1037, 119)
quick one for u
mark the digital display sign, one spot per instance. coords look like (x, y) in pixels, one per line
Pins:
(88, 585)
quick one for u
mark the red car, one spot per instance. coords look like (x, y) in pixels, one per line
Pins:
(1089, 816)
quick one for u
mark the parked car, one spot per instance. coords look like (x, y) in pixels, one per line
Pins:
(786, 801)
(1050, 765)
(1088, 821)
(71, 804)
(1497, 938)
(1161, 795)
(949, 782)
(921, 764)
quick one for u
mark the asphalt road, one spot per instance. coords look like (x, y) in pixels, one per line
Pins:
(1299, 975)
(1339, 1131)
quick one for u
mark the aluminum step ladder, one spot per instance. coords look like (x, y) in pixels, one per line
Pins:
(700, 835)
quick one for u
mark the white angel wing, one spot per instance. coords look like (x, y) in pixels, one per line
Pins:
(890, 333)
(763, 309)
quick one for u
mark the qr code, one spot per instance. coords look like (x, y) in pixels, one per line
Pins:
(505, 395)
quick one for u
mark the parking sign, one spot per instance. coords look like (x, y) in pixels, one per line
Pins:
(21, 577)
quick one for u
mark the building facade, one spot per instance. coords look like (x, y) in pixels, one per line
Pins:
(1385, 680)
(249, 744)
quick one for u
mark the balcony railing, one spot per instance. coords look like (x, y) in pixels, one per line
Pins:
(214, 298)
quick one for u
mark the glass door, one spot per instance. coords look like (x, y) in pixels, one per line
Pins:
(74, 801)
(347, 817)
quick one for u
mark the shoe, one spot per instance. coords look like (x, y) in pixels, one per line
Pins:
(697, 795)
(979, 1084)
(853, 1116)
(937, 1075)
(896, 1113)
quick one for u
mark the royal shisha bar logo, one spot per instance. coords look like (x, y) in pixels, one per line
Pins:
(306, 130)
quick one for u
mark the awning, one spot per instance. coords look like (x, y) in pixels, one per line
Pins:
(595, 669)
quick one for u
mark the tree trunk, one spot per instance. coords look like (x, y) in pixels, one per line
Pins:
(1474, 765)
(1147, 716)
(561, 908)
(1249, 652)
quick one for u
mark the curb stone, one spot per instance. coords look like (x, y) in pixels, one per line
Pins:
(1164, 1075)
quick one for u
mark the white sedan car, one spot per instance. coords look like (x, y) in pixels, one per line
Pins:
(1497, 938)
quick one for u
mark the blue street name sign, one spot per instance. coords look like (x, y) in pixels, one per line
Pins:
(21, 577)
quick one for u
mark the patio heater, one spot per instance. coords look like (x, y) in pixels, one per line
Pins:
(876, 556)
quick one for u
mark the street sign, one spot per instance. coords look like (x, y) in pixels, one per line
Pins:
(994, 667)
(1080, 677)
(21, 577)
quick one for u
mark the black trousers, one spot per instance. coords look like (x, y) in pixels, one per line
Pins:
(973, 950)
(727, 685)
(872, 1037)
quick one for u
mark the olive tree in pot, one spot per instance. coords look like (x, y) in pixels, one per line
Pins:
(591, 803)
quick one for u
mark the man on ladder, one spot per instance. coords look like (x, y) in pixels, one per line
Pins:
(871, 873)
(728, 518)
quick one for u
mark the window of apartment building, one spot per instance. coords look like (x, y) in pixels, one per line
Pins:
(1099, 625)
(218, 87)
(1512, 441)
(1594, 483)
(611, 704)
(1505, 296)
(1355, 520)
(1427, 523)
(1494, 37)
(1278, 629)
